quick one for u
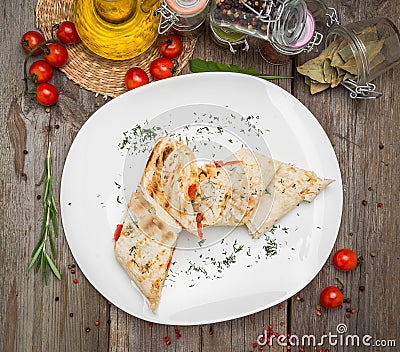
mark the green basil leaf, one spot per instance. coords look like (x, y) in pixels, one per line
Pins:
(199, 65)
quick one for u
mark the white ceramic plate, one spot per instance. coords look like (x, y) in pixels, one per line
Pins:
(98, 176)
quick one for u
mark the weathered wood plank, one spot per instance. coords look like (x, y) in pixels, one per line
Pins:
(38, 316)
(357, 128)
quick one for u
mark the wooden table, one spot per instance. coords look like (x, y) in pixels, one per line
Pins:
(55, 317)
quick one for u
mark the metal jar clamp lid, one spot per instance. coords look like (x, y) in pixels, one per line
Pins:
(369, 48)
(184, 15)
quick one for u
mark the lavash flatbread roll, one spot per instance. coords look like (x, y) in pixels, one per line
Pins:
(290, 186)
(169, 172)
(260, 170)
(230, 190)
(145, 247)
(220, 188)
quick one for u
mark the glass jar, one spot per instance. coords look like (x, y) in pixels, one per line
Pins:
(271, 55)
(229, 39)
(366, 50)
(184, 17)
(318, 20)
(278, 54)
(281, 22)
(116, 29)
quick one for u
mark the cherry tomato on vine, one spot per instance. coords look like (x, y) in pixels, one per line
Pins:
(40, 71)
(170, 46)
(46, 94)
(331, 297)
(162, 68)
(345, 259)
(31, 40)
(135, 77)
(67, 33)
(56, 55)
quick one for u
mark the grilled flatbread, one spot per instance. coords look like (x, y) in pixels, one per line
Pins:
(252, 189)
(170, 170)
(145, 246)
(290, 186)
(230, 190)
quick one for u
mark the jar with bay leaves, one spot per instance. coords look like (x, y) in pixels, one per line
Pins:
(354, 55)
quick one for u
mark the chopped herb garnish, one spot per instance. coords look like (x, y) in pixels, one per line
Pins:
(270, 248)
(229, 260)
(236, 248)
(140, 139)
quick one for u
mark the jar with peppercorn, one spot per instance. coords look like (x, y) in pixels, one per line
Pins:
(284, 27)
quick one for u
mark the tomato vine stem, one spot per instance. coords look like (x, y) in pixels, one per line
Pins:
(40, 46)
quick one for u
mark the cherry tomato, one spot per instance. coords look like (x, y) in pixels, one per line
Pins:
(40, 71)
(331, 297)
(56, 55)
(162, 68)
(345, 259)
(67, 33)
(31, 40)
(170, 46)
(135, 77)
(46, 94)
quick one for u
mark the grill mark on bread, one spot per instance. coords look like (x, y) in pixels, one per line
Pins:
(167, 151)
(167, 237)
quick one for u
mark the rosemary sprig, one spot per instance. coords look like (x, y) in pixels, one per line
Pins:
(49, 225)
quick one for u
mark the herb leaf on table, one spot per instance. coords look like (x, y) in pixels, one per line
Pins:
(199, 65)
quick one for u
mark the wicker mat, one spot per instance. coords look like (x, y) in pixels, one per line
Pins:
(93, 72)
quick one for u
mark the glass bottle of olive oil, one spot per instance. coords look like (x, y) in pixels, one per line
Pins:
(117, 29)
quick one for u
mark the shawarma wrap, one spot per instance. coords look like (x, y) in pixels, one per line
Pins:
(170, 172)
(290, 186)
(230, 189)
(252, 189)
(145, 247)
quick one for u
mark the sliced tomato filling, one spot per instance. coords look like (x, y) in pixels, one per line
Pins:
(117, 231)
(192, 192)
(220, 163)
(199, 219)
